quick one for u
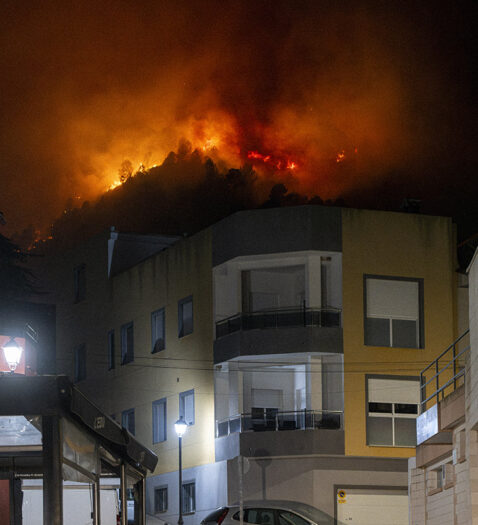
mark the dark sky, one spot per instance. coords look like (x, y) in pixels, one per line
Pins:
(385, 87)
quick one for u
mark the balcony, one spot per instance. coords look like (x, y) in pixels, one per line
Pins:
(266, 431)
(277, 331)
(270, 419)
(279, 318)
(442, 405)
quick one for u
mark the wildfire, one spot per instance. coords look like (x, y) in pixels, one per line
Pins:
(114, 184)
(272, 161)
(340, 156)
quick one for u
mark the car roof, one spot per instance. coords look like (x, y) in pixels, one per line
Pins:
(276, 503)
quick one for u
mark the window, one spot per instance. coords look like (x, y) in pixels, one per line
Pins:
(159, 420)
(160, 499)
(440, 478)
(79, 276)
(185, 316)
(393, 312)
(158, 338)
(186, 406)
(127, 420)
(111, 349)
(189, 497)
(259, 516)
(80, 363)
(127, 343)
(289, 518)
(392, 410)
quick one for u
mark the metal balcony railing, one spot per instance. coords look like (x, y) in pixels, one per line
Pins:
(270, 419)
(279, 318)
(444, 374)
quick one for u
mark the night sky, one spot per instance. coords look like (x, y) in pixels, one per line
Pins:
(370, 101)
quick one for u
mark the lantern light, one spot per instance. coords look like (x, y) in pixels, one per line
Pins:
(13, 353)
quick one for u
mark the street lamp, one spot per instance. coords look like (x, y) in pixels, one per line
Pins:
(180, 427)
(13, 353)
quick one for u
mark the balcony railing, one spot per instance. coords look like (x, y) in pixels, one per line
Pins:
(279, 318)
(270, 419)
(446, 373)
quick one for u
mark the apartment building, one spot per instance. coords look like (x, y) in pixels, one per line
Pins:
(443, 478)
(291, 340)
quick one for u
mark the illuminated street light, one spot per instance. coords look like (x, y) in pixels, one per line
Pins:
(180, 427)
(13, 353)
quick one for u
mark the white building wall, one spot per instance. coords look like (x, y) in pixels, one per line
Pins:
(211, 492)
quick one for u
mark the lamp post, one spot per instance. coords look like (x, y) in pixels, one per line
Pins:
(13, 353)
(180, 427)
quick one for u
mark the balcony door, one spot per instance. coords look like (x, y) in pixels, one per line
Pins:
(267, 398)
(271, 288)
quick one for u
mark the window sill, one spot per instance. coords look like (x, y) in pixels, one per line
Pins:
(431, 492)
(392, 446)
(189, 513)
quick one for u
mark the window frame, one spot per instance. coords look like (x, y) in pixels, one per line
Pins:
(127, 355)
(186, 511)
(421, 312)
(79, 283)
(153, 324)
(388, 415)
(156, 490)
(163, 402)
(182, 406)
(181, 303)
(111, 350)
(126, 414)
(80, 355)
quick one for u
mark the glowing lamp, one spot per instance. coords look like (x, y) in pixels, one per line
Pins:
(180, 427)
(13, 353)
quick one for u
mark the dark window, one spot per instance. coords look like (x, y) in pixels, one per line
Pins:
(259, 516)
(158, 338)
(80, 363)
(186, 406)
(189, 497)
(392, 411)
(127, 343)
(111, 349)
(161, 499)
(289, 518)
(79, 275)
(393, 312)
(127, 420)
(159, 420)
(185, 316)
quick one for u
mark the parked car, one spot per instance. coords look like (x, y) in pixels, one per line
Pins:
(269, 512)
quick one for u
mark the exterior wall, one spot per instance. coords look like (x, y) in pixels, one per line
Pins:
(160, 281)
(452, 503)
(403, 245)
(471, 400)
(5, 499)
(472, 380)
(311, 479)
(211, 491)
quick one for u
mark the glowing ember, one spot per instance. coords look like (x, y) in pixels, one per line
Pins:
(272, 161)
(340, 156)
(209, 144)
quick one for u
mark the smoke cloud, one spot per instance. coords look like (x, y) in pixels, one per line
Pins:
(371, 100)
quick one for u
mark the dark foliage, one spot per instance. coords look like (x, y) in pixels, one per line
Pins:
(185, 194)
(16, 281)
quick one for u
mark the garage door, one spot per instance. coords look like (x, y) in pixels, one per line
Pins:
(372, 507)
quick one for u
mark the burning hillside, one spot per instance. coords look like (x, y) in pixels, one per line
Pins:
(324, 98)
